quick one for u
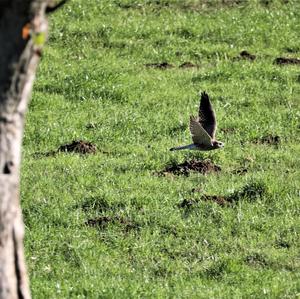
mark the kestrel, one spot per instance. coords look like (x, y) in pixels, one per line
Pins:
(203, 128)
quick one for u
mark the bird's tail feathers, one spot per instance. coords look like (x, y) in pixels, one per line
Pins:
(177, 148)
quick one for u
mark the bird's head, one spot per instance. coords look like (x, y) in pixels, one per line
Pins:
(218, 144)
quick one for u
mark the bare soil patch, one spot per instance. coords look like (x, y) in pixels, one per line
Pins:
(162, 65)
(268, 139)
(286, 60)
(203, 167)
(79, 146)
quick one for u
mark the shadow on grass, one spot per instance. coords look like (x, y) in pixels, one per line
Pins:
(196, 6)
(102, 222)
(99, 205)
(250, 192)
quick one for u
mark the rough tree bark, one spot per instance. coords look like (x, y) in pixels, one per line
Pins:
(23, 29)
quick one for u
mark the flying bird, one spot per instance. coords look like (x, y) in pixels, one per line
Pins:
(203, 128)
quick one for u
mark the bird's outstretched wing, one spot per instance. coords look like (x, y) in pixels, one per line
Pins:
(199, 135)
(207, 117)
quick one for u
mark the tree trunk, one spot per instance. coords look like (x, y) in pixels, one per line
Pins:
(23, 28)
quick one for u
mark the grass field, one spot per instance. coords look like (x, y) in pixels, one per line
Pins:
(113, 224)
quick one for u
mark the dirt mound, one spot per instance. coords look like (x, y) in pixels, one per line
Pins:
(286, 60)
(187, 65)
(268, 139)
(162, 65)
(203, 167)
(79, 146)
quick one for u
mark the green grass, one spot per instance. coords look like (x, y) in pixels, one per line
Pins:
(92, 84)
